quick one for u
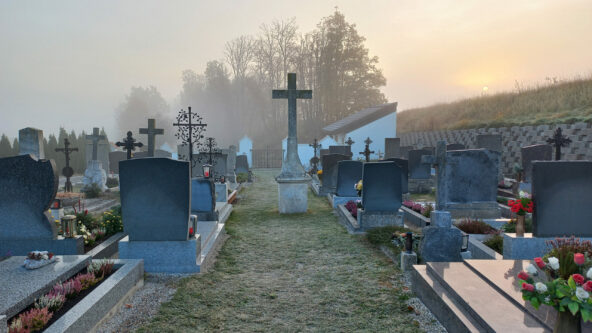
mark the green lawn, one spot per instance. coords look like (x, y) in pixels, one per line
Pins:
(289, 273)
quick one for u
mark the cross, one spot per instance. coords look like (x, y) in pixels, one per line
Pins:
(349, 141)
(438, 161)
(315, 160)
(95, 137)
(186, 133)
(129, 144)
(67, 170)
(558, 140)
(292, 168)
(152, 132)
(367, 150)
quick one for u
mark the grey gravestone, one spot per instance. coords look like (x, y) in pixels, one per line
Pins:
(441, 244)
(114, 158)
(348, 174)
(405, 151)
(231, 164)
(324, 152)
(343, 150)
(534, 153)
(157, 153)
(455, 146)
(219, 163)
(392, 148)
(203, 199)
(31, 142)
(103, 149)
(417, 169)
(403, 164)
(382, 190)
(562, 195)
(151, 131)
(329, 162)
(492, 142)
(155, 199)
(242, 164)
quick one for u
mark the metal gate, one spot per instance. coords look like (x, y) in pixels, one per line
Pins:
(267, 158)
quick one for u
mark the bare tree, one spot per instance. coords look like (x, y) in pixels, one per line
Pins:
(239, 53)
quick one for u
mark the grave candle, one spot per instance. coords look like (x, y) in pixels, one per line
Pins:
(69, 226)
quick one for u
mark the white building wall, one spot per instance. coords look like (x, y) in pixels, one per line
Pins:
(245, 145)
(378, 130)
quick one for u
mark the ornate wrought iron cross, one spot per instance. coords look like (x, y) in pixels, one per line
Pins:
(349, 141)
(190, 131)
(210, 149)
(152, 132)
(559, 140)
(129, 144)
(95, 137)
(314, 161)
(367, 150)
(67, 171)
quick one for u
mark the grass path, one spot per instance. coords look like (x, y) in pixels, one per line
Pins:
(288, 273)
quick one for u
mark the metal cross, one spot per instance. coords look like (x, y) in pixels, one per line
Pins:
(186, 130)
(292, 168)
(559, 140)
(152, 132)
(129, 144)
(67, 171)
(349, 141)
(315, 160)
(367, 150)
(95, 137)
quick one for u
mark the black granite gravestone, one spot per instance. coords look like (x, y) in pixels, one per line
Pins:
(155, 199)
(329, 161)
(404, 165)
(343, 150)
(203, 199)
(242, 164)
(470, 176)
(381, 187)
(562, 195)
(348, 174)
(404, 152)
(455, 146)
(534, 153)
(417, 169)
(114, 158)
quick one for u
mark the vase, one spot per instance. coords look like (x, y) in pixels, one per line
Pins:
(567, 323)
(520, 225)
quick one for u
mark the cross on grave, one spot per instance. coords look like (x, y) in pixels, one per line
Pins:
(129, 144)
(315, 160)
(349, 141)
(152, 132)
(438, 161)
(67, 171)
(186, 130)
(292, 168)
(558, 140)
(367, 150)
(95, 137)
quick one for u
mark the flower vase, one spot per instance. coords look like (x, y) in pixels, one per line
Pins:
(567, 323)
(520, 225)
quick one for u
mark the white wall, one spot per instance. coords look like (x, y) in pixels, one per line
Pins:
(244, 148)
(378, 130)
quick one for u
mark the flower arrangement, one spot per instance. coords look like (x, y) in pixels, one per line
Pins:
(359, 186)
(352, 208)
(37, 259)
(522, 205)
(425, 210)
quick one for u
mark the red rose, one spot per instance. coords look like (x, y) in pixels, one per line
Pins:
(527, 286)
(539, 261)
(588, 286)
(523, 275)
(579, 259)
(578, 279)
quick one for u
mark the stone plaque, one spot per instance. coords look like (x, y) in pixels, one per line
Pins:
(382, 190)
(348, 174)
(534, 153)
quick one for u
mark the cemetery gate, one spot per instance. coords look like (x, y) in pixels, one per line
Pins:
(267, 158)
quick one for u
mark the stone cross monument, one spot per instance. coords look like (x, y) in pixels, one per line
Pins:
(95, 138)
(94, 173)
(293, 180)
(152, 132)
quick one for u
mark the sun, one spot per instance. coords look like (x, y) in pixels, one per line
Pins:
(485, 89)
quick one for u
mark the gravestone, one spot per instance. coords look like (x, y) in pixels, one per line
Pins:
(417, 169)
(203, 199)
(157, 153)
(219, 163)
(404, 152)
(103, 148)
(404, 166)
(492, 142)
(31, 142)
(114, 158)
(242, 164)
(27, 189)
(343, 150)
(324, 152)
(231, 164)
(348, 174)
(382, 191)
(151, 131)
(221, 192)
(441, 242)
(562, 195)
(455, 146)
(392, 148)
(329, 161)
(534, 153)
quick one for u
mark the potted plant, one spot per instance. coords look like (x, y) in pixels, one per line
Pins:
(565, 285)
(520, 207)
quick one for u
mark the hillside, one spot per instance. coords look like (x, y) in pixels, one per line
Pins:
(562, 102)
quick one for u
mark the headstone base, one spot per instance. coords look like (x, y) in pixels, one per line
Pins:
(369, 220)
(94, 174)
(221, 192)
(293, 195)
(164, 256)
(60, 246)
(477, 210)
(420, 186)
(441, 244)
(527, 247)
(337, 200)
(408, 260)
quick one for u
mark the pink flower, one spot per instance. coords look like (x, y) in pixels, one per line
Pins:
(579, 259)
(527, 286)
(578, 279)
(539, 261)
(523, 275)
(588, 286)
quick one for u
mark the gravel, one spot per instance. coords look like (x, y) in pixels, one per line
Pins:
(420, 312)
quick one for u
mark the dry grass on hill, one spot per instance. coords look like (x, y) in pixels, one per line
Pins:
(561, 102)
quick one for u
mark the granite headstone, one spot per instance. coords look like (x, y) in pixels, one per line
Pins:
(417, 169)
(343, 150)
(405, 151)
(203, 199)
(392, 148)
(532, 153)
(31, 142)
(242, 164)
(492, 142)
(329, 161)
(403, 164)
(114, 158)
(382, 190)
(348, 174)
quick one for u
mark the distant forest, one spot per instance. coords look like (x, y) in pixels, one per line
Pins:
(50, 143)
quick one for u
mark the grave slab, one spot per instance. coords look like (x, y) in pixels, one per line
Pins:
(534, 153)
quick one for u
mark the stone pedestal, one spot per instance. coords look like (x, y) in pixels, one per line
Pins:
(408, 260)
(476, 210)
(527, 247)
(164, 256)
(94, 173)
(337, 200)
(293, 195)
(369, 220)
(441, 242)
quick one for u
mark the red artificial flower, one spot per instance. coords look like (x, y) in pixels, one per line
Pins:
(579, 259)
(527, 286)
(539, 261)
(588, 286)
(523, 275)
(578, 279)
(510, 203)
(191, 231)
(50, 255)
(85, 211)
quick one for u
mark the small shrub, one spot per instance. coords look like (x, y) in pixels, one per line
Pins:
(475, 227)
(352, 208)
(30, 321)
(112, 182)
(88, 280)
(242, 177)
(496, 243)
(112, 222)
(427, 210)
(53, 301)
(510, 227)
(91, 191)
(69, 289)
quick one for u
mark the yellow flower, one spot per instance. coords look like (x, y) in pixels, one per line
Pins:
(320, 172)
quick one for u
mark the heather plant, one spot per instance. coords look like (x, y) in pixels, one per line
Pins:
(69, 289)
(427, 210)
(475, 227)
(30, 321)
(100, 268)
(496, 243)
(352, 208)
(53, 301)
(88, 280)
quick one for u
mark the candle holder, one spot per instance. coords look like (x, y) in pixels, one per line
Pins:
(69, 226)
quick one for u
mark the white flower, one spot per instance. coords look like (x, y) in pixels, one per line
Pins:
(523, 194)
(540, 287)
(581, 294)
(589, 274)
(531, 269)
(554, 263)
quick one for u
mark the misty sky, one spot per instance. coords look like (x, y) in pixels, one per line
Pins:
(71, 63)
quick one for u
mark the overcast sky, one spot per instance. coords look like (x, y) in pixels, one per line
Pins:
(71, 63)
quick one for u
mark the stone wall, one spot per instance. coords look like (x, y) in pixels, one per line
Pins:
(513, 138)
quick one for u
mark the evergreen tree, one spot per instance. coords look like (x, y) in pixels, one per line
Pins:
(15, 147)
(5, 148)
